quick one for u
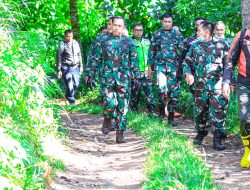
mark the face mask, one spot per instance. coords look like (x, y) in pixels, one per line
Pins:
(219, 37)
(200, 39)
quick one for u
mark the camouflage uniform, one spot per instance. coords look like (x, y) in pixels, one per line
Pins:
(91, 56)
(99, 39)
(144, 81)
(185, 48)
(208, 59)
(118, 58)
(163, 54)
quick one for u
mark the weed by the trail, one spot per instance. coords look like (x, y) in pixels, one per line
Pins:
(172, 161)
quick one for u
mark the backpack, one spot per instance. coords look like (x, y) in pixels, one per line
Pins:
(242, 35)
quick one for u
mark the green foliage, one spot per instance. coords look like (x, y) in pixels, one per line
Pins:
(25, 115)
(227, 11)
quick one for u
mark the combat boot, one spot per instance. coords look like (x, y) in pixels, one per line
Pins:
(199, 137)
(245, 161)
(112, 126)
(171, 121)
(218, 141)
(105, 126)
(119, 137)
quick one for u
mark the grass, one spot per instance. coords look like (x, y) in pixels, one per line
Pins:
(172, 162)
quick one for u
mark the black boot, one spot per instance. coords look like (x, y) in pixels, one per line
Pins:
(105, 126)
(171, 121)
(112, 126)
(119, 137)
(218, 141)
(199, 137)
(161, 112)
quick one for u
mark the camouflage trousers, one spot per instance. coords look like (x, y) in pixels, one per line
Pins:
(144, 84)
(116, 101)
(168, 86)
(243, 92)
(210, 110)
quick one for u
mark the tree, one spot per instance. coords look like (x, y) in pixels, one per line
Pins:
(245, 13)
(75, 20)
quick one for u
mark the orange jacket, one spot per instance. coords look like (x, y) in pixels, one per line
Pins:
(240, 54)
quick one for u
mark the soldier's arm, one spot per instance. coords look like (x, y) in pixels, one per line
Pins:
(59, 56)
(183, 50)
(187, 67)
(94, 58)
(180, 44)
(188, 61)
(152, 52)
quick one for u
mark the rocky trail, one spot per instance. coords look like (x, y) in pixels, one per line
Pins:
(95, 161)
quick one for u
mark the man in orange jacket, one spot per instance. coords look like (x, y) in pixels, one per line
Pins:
(240, 51)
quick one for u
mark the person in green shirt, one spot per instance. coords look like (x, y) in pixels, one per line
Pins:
(145, 80)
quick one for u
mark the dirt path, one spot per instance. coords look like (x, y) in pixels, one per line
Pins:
(224, 164)
(95, 161)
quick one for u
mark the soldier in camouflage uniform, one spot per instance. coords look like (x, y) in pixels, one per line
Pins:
(142, 45)
(207, 58)
(219, 34)
(91, 80)
(186, 45)
(164, 50)
(118, 57)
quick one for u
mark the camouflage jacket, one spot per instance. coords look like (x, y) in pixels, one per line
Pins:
(165, 46)
(185, 47)
(208, 60)
(116, 55)
(98, 40)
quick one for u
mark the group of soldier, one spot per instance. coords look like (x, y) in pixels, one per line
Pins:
(125, 65)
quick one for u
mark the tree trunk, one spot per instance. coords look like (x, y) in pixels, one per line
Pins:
(245, 14)
(75, 20)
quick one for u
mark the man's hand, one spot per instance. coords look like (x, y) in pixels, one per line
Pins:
(81, 69)
(59, 74)
(226, 90)
(189, 79)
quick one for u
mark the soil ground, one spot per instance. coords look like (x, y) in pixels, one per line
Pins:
(95, 161)
(224, 164)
